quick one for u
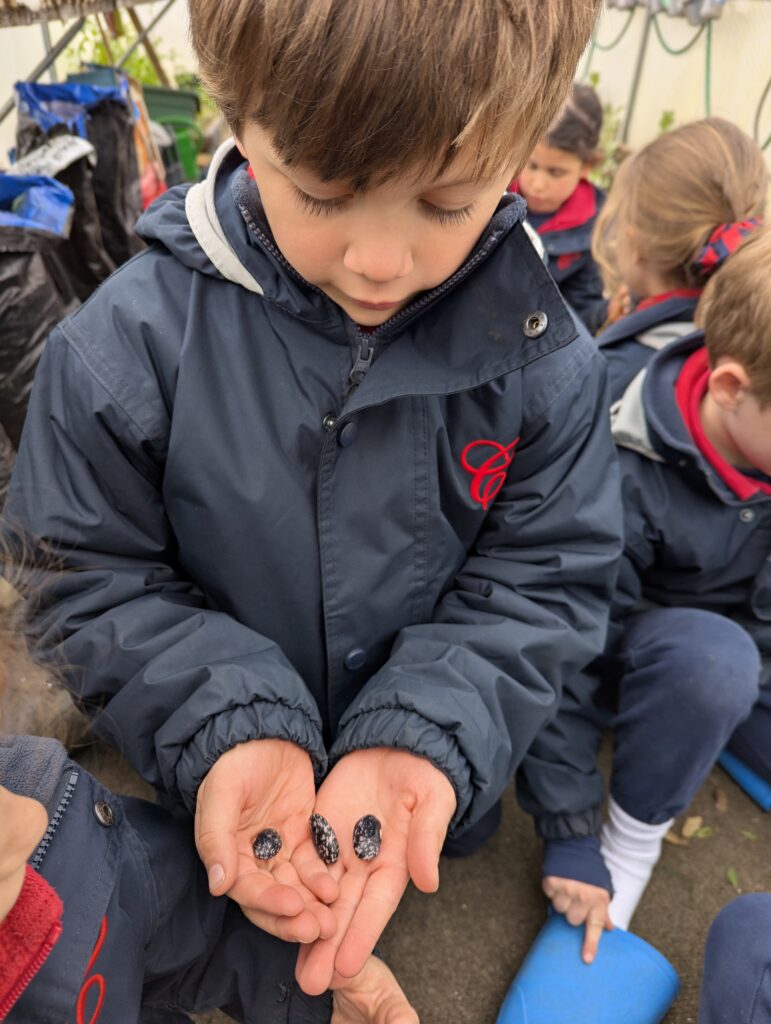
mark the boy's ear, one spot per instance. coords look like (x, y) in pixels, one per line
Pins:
(727, 383)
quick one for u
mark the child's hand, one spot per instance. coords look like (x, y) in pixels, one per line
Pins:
(374, 996)
(257, 785)
(414, 803)
(580, 902)
(24, 822)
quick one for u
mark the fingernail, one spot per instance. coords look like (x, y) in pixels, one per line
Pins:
(216, 876)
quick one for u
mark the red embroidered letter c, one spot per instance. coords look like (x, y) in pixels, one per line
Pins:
(488, 477)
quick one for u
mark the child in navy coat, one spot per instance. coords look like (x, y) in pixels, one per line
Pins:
(688, 662)
(656, 233)
(563, 205)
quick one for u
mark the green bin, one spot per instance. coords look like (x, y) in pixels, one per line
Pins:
(177, 109)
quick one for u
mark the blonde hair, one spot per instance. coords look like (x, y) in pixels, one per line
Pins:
(735, 312)
(367, 90)
(668, 198)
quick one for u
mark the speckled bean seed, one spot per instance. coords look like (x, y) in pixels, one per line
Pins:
(324, 839)
(366, 837)
(266, 844)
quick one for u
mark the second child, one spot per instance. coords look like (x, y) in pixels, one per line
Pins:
(676, 209)
(563, 204)
(688, 663)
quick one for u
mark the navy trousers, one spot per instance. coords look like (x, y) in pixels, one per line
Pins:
(690, 683)
(737, 964)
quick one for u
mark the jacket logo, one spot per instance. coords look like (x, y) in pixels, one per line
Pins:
(489, 475)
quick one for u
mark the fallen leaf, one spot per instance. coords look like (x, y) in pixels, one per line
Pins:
(675, 839)
(720, 798)
(749, 835)
(692, 826)
(733, 878)
(705, 833)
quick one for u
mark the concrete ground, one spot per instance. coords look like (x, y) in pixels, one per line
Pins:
(456, 952)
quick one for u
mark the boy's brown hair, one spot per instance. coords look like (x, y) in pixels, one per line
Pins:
(735, 312)
(669, 197)
(367, 90)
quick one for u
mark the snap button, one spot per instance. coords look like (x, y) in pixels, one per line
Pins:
(329, 421)
(746, 515)
(104, 813)
(535, 324)
(355, 659)
(347, 435)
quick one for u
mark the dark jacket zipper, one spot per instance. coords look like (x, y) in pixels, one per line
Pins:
(64, 795)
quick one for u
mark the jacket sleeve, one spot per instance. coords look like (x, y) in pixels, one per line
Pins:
(470, 689)
(559, 781)
(170, 681)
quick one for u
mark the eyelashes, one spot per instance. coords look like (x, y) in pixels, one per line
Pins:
(324, 207)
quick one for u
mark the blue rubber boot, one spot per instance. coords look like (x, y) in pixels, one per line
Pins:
(752, 784)
(628, 981)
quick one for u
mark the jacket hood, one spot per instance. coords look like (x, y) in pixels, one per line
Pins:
(218, 227)
(647, 418)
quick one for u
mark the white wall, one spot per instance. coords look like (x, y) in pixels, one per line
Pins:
(741, 65)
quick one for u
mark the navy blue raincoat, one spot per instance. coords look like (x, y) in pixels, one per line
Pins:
(282, 526)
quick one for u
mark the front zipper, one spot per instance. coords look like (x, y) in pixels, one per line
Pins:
(64, 795)
(364, 359)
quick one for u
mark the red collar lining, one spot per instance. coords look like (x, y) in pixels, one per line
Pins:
(577, 210)
(690, 389)
(676, 293)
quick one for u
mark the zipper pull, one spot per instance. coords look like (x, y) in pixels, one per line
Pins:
(361, 366)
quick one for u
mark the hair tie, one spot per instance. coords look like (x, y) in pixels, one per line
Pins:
(722, 243)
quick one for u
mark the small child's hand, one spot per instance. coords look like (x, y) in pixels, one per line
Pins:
(414, 803)
(580, 902)
(374, 996)
(24, 822)
(254, 786)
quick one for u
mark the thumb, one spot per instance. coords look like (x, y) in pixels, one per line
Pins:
(425, 839)
(217, 815)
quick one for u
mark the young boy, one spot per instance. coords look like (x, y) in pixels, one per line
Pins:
(330, 460)
(688, 654)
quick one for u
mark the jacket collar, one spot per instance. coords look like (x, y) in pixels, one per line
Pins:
(678, 309)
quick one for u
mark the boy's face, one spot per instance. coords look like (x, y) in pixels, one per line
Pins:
(550, 177)
(371, 252)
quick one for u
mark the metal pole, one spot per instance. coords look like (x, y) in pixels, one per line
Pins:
(143, 35)
(46, 63)
(47, 47)
(637, 76)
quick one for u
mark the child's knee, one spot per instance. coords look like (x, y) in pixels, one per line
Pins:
(739, 924)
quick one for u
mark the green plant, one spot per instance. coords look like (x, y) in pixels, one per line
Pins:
(666, 121)
(612, 151)
(89, 48)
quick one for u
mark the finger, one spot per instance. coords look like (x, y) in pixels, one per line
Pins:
(609, 926)
(576, 913)
(217, 816)
(382, 893)
(592, 933)
(286, 874)
(428, 830)
(303, 928)
(549, 886)
(313, 873)
(315, 969)
(561, 902)
(257, 890)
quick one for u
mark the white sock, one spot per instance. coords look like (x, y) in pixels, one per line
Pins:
(630, 849)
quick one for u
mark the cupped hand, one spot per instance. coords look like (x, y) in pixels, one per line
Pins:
(374, 996)
(414, 803)
(257, 785)
(581, 902)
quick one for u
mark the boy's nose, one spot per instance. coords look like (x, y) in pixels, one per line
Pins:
(379, 260)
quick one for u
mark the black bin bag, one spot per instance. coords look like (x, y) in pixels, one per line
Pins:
(35, 218)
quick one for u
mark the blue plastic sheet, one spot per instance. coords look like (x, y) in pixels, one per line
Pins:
(35, 203)
(66, 103)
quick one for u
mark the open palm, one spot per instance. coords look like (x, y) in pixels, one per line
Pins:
(414, 803)
(257, 785)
